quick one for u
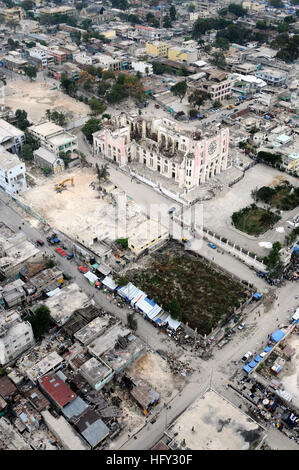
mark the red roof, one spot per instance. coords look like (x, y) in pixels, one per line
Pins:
(57, 389)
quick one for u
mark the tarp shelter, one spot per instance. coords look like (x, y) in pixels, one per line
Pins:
(92, 278)
(154, 312)
(252, 364)
(296, 249)
(129, 291)
(267, 349)
(173, 324)
(145, 305)
(277, 335)
(109, 283)
(247, 369)
(257, 358)
(139, 294)
(257, 296)
(95, 266)
(53, 292)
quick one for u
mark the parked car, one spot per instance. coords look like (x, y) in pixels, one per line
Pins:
(241, 326)
(247, 356)
(171, 210)
(40, 242)
(70, 256)
(211, 245)
(82, 269)
(60, 251)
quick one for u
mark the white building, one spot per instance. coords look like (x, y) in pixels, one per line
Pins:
(272, 76)
(54, 137)
(148, 33)
(83, 59)
(108, 62)
(12, 173)
(187, 158)
(15, 336)
(11, 138)
(42, 54)
(143, 67)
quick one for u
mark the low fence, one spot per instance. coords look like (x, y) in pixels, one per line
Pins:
(27, 208)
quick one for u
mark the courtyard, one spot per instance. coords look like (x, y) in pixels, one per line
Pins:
(188, 288)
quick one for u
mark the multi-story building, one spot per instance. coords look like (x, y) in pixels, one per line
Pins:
(58, 55)
(156, 48)
(183, 54)
(143, 67)
(12, 139)
(15, 336)
(217, 85)
(62, 10)
(148, 33)
(12, 173)
(186, 157)
(108, 62)
(54, 137)
(11, 14)
(273, 77)
(41, 53)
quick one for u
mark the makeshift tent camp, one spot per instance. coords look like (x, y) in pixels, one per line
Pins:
(252, 364)
(268, 348)
(257, 358)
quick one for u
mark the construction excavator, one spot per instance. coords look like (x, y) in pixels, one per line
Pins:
(61, 186)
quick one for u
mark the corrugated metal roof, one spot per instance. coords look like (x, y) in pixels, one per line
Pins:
(173, 324)
(75, 408)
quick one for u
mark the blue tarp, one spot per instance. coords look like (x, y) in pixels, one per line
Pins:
(257, 358)
(247, 369)
(267, 348)
(252, 364)
(277, 335)
(257, 296)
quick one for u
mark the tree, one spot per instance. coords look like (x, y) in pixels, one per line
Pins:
(97, 106)
(22, 121)
(28, 4)
(218, 60)
(273, 262)
(236, 9)
(27, 152)
(58, 118)
(133, 19)
(198, 97)
(167, 22)
(68, 85)
(217, 104)
(175, 310)
(103, 174)
(40, 321)
(66, 158)
(179, 89)
(131, 321)
(103, 87)
(90, 127)
(222, 43)
(193, 113)
(107, 74)
(275, 3)
(172, 13)
(123, 242)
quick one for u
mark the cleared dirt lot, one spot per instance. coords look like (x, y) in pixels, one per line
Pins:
(78, 211)
(217, 212)
(36, 97)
